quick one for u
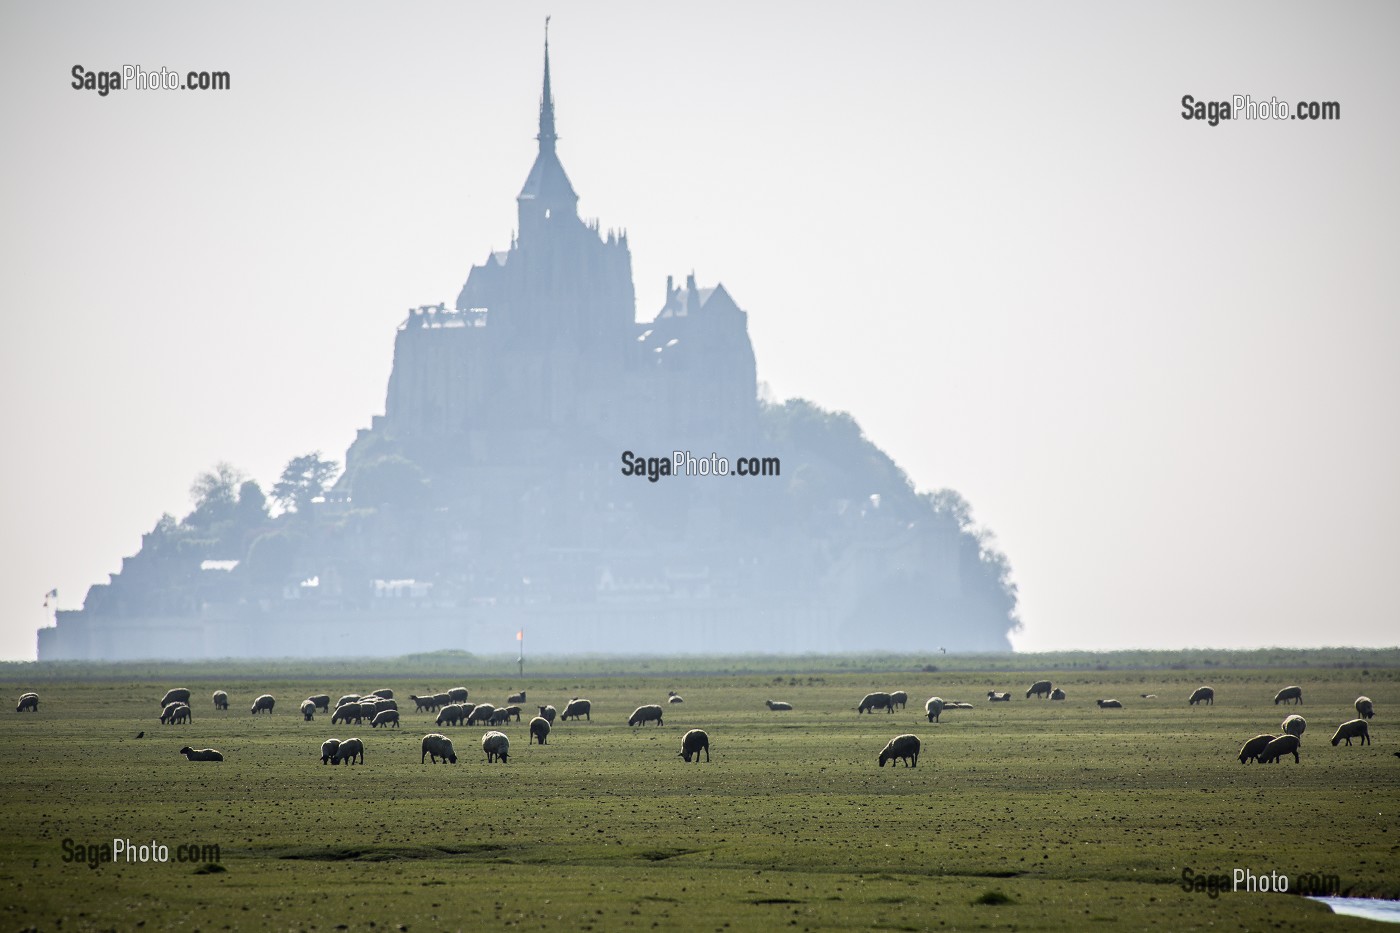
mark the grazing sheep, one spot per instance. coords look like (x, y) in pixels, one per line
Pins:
(548, 712)
(1057, 694)
(934, 707)
(516, 698)
(1352, 729)
(383, 693)
(178, 695)
(692, 743)
(1041, 688)
(904, 747)
(514, 712)
(577, 708)
(349, 750)
(441, 699)
(368, 708)
(1109, 704)
(496, 745)
(499, 716)
(348, 698)
(1295, 725)
(177, 713)
(1365, 708)
(202, 754)
(898, 698)
(1204, 695)
(1289, 693)
(457, 695)
(645, 714)
(480, 713)
(346, 713)
(778, 706)
(308, 710)
(220, 699)
(539, 730)
(328, 749)
(437, 745)
(264, 702)
(873, 701)
(322, 701)
(451, 715)
(385, 718)
(1283, 745)
(994, 697)
(169, 712)
(1253, 748)
(674, 697)
(424, 704)
(28, 701)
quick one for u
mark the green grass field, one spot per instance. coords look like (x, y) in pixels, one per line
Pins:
(1022, 815)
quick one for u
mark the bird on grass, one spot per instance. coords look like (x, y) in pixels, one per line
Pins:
(141, 735)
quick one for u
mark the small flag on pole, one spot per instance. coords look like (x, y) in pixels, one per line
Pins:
(520, 635)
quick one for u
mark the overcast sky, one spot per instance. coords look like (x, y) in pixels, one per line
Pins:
(1161, 359)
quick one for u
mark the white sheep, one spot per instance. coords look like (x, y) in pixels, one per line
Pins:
(1041, 688)
(496, 745)
(451, 715)
(385, 718)
(904, 747)
(348, 698)
(177, 713)
(349, 750)
(1283, 745)
(424, 704)
(202, 754)
(457, 695)
(1254, 747)
(1204, 695)
(499, 717)
(694, 742)
(347, 712)
(328, 749)
(873, 701)
(1295, 725)
(441, 699)
(29, 702)
(1057, 694)
(539, 730)
(934, 707)
(263, 703)
(898, 698)
(482, 712)
(995, 697)
(437, 745)
(1365, 708)
(1287, 694)
(516, 698)
(178, 695)
(1352, 729)
(308, 710)
(674, 697)
(1109, 704)
(778, 706)
(576, 708)
(220, 699)
(548, 712)
(384, 693)
(645, 714)
(322, 701)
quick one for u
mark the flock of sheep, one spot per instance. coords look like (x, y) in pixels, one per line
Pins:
(453, 709)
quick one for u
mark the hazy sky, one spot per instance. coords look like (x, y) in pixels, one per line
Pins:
(1160, 359)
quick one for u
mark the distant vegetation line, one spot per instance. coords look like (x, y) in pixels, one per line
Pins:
(463, 664)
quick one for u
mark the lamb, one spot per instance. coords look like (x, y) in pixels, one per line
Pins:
(1109, 704)
(178, 695)
(645, 714)
(264, 702)
(384, 693)
(450, 715)
(496, 745)
(577, 708)
(873, 701)
(778, 706)
(994, 697)
(1365, 708)
(424, 704)
(457, 695)
(202, 754)
(539, 730)
(1289, 693)
(905, 747)
(28, 701)
(168, 713)
(1204, 695)
(1041, 688)
(176, 713)
(1283, 745)
(692, 743)
(1057, 694)
(516, 698)
(1354, 728)
(437, 745)
(1253, 748)
(308, 710)
(674, 697)
(322, 701)
(346, 713)
(1295, 725)
(349, 750)
(934, 708)
(548, 713)
(514, 712)
(480, 713)
(328, 749)
(220, 699)
(348, 698)
(385, 718)
(499, 716)
(898, 698)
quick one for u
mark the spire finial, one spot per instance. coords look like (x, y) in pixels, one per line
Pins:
(547, 135)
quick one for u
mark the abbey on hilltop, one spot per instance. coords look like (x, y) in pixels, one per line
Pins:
(494, 494)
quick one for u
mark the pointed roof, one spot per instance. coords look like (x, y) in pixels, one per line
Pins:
(547, 181)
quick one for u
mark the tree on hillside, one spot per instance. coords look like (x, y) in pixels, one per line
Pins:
(214, 492)
(304, 478)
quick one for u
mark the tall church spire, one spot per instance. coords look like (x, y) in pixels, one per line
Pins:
(547, 135)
